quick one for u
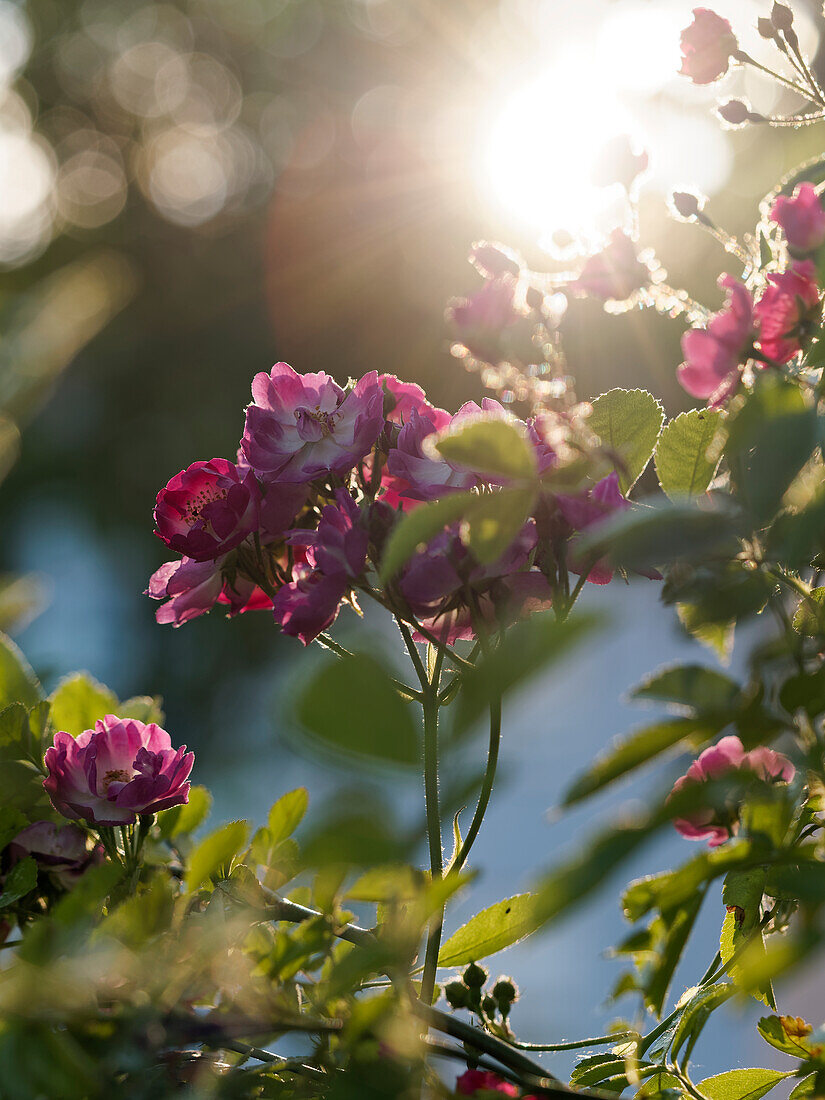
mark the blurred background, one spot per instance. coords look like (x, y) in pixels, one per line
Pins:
(191, 191)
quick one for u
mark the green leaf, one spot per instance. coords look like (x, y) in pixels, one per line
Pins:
(628, 423)
(742, 894)
(488, 445)
(703, 690)
(12, 822)
(183, 820)
(144, 708)
(493, 521)
(641, 747)
(215, 852)
(741, 1084)
(811, 620)
(352, 707)
(679, 927)
(527, 648)
(416, 528)
(716, 636)
(696, 1013)
(21, 879)
(806, 1087)
(685, 460)
(286, 814)
(78, 702)
(772, 435)
(491, 930)
(787, 1033)
(18, 683)
(643, 538)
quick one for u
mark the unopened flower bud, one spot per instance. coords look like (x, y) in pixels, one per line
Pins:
(457, 994)
(505, 990)
(686, 204)
(782, 17)
(736, 112)
(489, 1006)
(493, 260)
(475, 976)
(765, 27)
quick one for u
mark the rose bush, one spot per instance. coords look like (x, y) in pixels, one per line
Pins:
(140, 961)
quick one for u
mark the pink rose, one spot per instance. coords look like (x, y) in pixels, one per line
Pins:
(401, 398)
(708, 45)
(479, 1080)
(789, 302)
(309, 603)
(191, 588)
(336, 553)
(714, 355)
(207, 509)
(801, 217)
(586, 510)
(614, 273)
(478, 321)
(116, 771)
(412, 472)
(726, 756)
(301, 427)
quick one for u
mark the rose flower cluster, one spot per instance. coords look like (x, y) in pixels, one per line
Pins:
(297, 525)
(768, 329)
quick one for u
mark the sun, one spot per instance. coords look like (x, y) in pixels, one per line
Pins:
(538, 154)
(542, 150)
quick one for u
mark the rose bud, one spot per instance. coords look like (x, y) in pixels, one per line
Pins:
(801, 218)
(116, 771)
(736, 113)
(208, 509)
(708, 45)
(686, 204)
(782, 17)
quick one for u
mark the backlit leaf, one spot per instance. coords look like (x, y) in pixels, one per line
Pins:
(685, 460)
(628, 423)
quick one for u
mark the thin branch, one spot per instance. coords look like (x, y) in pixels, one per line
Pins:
(278, 1064)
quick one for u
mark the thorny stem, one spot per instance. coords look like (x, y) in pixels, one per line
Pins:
(486, 787)
(340, 651)
(806, 93)
(278, 1064)
(430, 706)
(576, 1044)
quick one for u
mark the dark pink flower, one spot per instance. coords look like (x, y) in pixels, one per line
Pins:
(714, 355)
(771, 766)
(191, 588)
(586, 510)
(724, 758)
(412, 472)
(309, 603)
(790, 300)
(336, 553)
(401, 398)
(478, 321)
(301, 427)
(338, 545)
(614, 273)
(708, 45)
(59, 849)
(479, 1080)
(537, 434)
(116, 771)
(438, 580)
(207, 509)
(801, 217)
